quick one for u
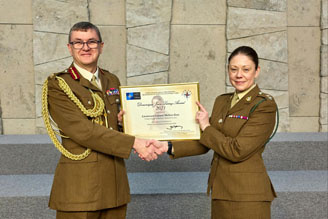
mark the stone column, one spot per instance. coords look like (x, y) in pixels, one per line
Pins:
(262, 25)
(198, 46)
(148, 33)
(324, 68)
(304, 63)
(16, 72)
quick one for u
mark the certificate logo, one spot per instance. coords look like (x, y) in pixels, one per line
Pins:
(186, 93)
(133, 96)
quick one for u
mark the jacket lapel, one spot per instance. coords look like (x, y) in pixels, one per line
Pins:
(103, 80)
(246, 100)
(86, 83)
(226, 107)
(220, 111)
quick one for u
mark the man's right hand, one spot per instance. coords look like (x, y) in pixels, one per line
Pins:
(162, 146)
(145, 150)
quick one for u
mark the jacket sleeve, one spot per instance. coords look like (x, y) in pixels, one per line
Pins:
(252, 136)
(83, 131)
(188, 148)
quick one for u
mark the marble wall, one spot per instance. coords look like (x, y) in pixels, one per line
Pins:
(170, 41)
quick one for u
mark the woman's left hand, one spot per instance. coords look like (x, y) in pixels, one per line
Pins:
(202, 117)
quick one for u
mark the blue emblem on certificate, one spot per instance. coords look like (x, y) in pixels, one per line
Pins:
(133, 96)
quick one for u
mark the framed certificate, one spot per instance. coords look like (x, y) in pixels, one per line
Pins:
(162, 112)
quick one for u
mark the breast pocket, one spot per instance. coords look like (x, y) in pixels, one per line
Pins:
(114, 99)
(112, 109)
(114, 103)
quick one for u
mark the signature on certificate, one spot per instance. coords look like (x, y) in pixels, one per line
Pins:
(175, 127)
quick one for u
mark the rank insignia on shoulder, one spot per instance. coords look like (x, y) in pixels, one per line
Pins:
(73, 71)
(238, 117)
(112, 91)
(268, 96)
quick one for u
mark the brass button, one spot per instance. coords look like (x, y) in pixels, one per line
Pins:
(108, 111)
(220, 121)
(89, 102)
(117, 100)
(110, 128)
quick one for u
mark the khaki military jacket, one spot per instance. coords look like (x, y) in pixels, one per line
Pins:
(99, 181)
(238, 137)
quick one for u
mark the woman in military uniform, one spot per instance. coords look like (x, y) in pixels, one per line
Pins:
(238, 130)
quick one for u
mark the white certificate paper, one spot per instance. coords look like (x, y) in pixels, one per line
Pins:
(162, 112)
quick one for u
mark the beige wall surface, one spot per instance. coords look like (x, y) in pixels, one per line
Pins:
(304, 36)
(170, 41)
(17, 95)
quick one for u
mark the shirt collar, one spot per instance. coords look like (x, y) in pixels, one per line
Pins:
(86, 74)
(242, 94)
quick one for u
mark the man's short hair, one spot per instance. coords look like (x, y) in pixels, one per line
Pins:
(84, 26)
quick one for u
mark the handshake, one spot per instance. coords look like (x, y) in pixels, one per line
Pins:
(149, 149)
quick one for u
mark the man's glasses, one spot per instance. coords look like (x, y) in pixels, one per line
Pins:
(92, 44)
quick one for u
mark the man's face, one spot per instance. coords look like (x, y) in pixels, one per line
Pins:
(85, 57)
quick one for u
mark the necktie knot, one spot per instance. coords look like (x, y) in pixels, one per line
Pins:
(94, 81)
(234, 100)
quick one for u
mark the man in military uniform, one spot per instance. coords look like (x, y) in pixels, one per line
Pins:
(90, 179)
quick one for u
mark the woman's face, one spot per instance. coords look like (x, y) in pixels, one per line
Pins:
(242, 72)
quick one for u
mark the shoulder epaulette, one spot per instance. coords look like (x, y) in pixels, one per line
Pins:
(73, 72)
(53, 75)
(266, 96)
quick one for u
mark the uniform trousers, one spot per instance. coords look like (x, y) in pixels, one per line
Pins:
(222, 209)
(110, 213)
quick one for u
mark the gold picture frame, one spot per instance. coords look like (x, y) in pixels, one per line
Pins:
(161, 112)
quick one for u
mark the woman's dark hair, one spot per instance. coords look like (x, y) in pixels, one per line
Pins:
(247, 51)
(84, 26)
